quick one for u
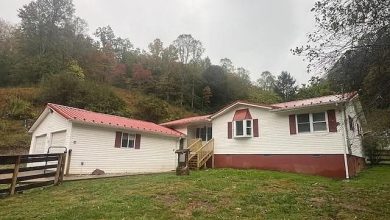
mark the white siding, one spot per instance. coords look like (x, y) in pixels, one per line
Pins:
(52, 123)
(94, 147)
(355, 140)
(274, 136)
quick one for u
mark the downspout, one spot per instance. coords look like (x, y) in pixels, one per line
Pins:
(346, 140)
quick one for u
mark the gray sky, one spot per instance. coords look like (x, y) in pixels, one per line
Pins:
(254, 34)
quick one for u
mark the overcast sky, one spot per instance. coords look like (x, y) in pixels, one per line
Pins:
(254, 34)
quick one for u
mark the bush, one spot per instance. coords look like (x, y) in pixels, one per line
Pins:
(151, 109)
(17, 109)
(374, 146)
(68, 89)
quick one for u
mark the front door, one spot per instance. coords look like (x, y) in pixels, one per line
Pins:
(205, 133)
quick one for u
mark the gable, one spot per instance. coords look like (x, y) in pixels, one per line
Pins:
(49, 121)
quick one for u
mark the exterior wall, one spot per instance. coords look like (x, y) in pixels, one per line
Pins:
(274, 136)
(52, 123)
(355, 140)
(94, 146)
(329, 165)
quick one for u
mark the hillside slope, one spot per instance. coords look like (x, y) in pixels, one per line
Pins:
(14, 137)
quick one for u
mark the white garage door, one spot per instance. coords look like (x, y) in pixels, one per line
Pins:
(58, 139)
(40, 144)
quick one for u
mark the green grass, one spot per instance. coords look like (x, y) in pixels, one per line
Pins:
(210, 194)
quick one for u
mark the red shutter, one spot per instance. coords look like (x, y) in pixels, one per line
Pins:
(255, 127)
(137, 141)
(118, 137)
(332, 123)
(230, 132)
(293, 127)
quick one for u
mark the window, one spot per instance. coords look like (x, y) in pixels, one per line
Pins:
(204, 133)
(319, 121)
(127, 140)
(243, 128)
(350, 121)
(303, 121)
(239, 128)
(311, 122)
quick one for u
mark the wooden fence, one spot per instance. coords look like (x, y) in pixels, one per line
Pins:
(19, 172)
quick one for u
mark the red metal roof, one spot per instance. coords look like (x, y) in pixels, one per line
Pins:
(84, 116)
(185, 121)
(242, 114)
(315, 101)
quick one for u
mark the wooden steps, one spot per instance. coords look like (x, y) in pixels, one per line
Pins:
(200, 154)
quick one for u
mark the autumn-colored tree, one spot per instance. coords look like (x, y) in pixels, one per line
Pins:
(141, 75)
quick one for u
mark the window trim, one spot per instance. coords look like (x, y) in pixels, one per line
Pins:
(312, 123)
(128, 140)
(244, 128)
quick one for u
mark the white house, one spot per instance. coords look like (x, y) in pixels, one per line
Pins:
(319, 136)
(100, 141)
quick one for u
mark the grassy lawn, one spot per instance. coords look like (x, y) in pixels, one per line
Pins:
(214, 194)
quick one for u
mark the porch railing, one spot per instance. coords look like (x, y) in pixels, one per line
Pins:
(205, 152)
(194, 147)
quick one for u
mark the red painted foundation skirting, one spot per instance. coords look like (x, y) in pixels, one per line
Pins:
(329, 165)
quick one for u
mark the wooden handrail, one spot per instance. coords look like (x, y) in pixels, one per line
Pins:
(205, 151)
(195, 145)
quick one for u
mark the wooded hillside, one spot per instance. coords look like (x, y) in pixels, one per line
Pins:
(51, 51)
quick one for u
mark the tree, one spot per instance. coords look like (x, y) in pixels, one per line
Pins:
(68, 89)
(141, 75)
(352, 44)
(243, 74)
(207, 94)
(189, 50)
(216, 78)
(7, 54)
(285, 86)
(342, 26)
(48, 30)
(266, 81)
(227, 65)
(317, 87)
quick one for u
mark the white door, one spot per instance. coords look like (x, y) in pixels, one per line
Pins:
(40, 144)
(58, 142)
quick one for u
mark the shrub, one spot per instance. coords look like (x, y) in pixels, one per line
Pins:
(68, 89)
(17, 108)
(374, 145)
(151, 109)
